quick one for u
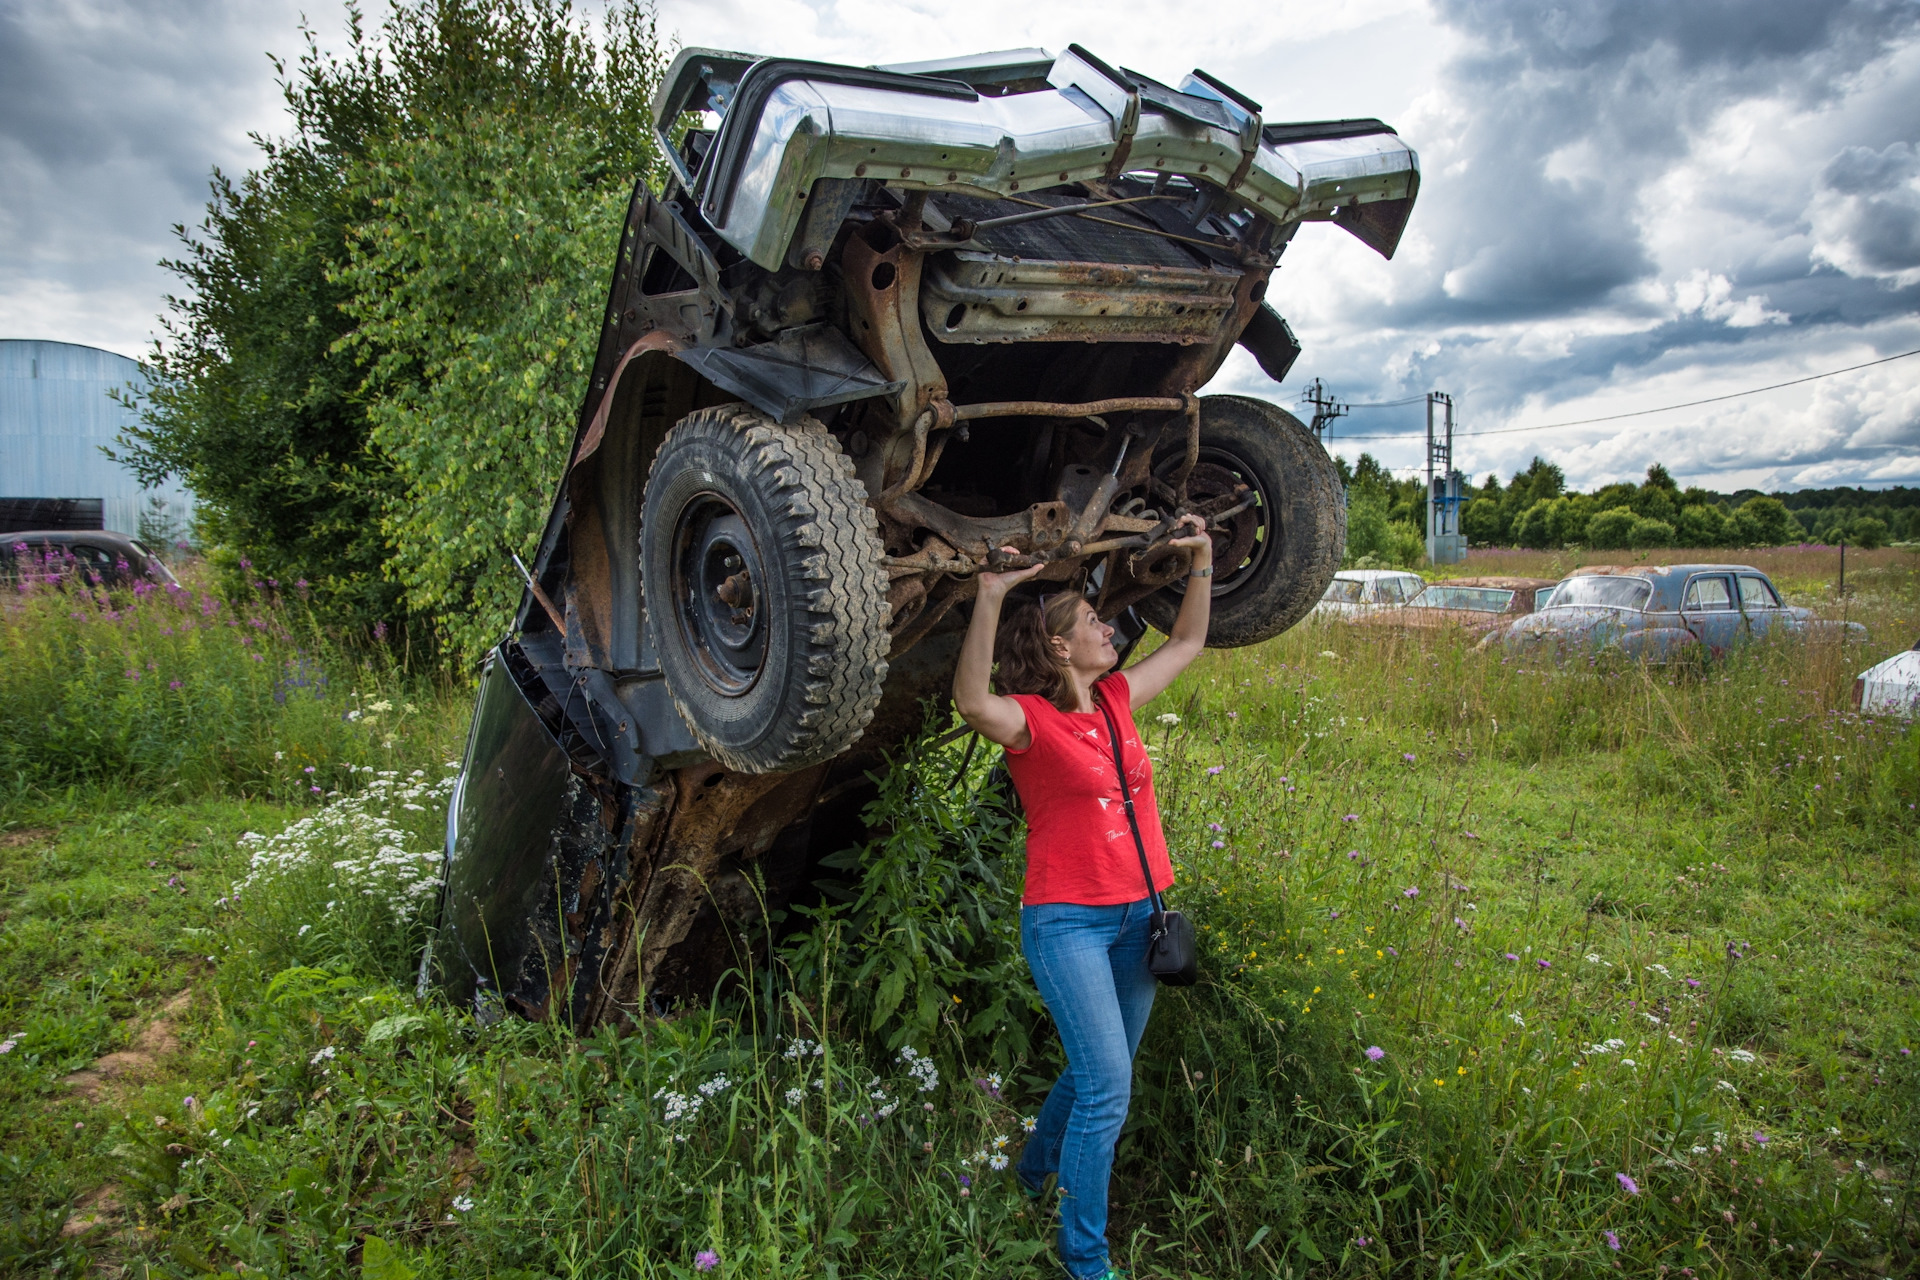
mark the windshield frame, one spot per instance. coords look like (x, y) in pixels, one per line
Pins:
(1505, 594)
(1638, 588)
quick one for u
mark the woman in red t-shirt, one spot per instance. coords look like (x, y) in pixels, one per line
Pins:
(1083, 919)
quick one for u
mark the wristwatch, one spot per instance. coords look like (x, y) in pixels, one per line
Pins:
(1202, 573)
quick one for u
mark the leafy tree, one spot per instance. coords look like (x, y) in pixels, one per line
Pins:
(1612, 529)
(1650, 533)
(1701, 524)
(1764, 522)
(251, 406)
(1483, 522)
(374, 378)
(1867, 533)
(1375, 540)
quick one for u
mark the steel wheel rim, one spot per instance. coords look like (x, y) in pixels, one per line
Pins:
(719, 594)
(1261, 517)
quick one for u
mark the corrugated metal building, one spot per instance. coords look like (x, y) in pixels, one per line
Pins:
(56, 411)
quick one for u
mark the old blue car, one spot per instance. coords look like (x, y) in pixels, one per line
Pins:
(1663, 612)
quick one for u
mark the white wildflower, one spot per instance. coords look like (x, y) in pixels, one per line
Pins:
(1742, 1055)
(1727, 1085)
(679, 1106)
(921, 1068)
(1628, 1062)
(1659, 969)
(795, 1096)
(997, 1161)
(322, 1055)
(1167, 718)
(1027, 1124)
(464, 1204)
(715, 1085)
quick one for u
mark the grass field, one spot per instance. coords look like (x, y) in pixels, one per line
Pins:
(1527, 970)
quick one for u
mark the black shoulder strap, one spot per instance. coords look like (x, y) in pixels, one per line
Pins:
(1126, 799)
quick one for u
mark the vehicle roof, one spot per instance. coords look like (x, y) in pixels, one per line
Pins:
(1655, 572)
(67, 537)
(1373, 575)
(1496, 581)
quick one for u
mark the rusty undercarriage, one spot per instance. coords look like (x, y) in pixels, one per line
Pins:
(883, 325)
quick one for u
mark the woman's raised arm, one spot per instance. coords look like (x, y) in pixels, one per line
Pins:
(1149, 677)
(998, 720)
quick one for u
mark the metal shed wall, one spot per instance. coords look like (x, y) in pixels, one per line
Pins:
(56, 411)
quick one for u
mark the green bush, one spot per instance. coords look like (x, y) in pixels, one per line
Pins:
(1701, 525)
(372, 377)
(1868, 533)
(1377, 540)
(1764, 522)
(1611, 529)
(1647, 533)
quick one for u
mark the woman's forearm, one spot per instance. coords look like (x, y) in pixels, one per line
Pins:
(975, 669)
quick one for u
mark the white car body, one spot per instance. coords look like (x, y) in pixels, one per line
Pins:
(1891, 688)
(1354, 592)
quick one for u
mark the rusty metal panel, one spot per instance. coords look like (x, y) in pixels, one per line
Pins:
(982, 297)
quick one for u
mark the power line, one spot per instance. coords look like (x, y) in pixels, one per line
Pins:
(1641, 413)
(1390, 404)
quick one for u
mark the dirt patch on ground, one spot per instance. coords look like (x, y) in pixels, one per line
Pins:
(98, 1208)
(25, 836)
(155, 1041)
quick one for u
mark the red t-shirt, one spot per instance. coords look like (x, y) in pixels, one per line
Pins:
(1079, 847)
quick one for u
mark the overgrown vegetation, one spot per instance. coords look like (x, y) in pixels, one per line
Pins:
(1631, 946)
(371, 378)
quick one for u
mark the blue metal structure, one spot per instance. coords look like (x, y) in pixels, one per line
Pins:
(57, 410)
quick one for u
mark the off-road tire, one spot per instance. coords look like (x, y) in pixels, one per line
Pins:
(822, 600)
(1303, 531)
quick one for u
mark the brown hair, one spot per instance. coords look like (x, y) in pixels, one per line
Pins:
(1027, 662)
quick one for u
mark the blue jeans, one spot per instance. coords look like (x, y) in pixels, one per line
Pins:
(1090, 964)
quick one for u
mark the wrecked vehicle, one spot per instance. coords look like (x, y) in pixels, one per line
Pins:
(1467, 605)
(1891, 688)
(880, 324)
(1662, 613)
(1355, 593)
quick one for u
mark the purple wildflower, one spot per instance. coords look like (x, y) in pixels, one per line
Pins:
(1613, 1241)
(1352, 817)
(1693, 982)
(1411, 891)
(173, 684)
(1513, 957)
(965, 1181)
(1407, 756)
(1352, 854)
(1544, 964)
(1761, 1138)
(1627, 1184)
(705, 1260)
(1395, 954)
(1361, 1242)
(1375, 1053)
(1219, 844)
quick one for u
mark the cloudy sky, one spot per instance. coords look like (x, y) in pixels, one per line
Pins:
(1626, 203)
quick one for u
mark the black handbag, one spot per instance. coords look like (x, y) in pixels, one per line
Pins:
(1171, 954)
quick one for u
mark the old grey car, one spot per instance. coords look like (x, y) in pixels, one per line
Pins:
(1663, 612)
(880, 324)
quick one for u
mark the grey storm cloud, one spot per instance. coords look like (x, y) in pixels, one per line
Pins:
(1586, 228)
(1625, 201)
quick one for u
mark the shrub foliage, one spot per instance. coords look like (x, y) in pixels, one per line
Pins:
(371, 378)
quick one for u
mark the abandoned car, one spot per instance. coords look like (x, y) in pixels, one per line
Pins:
(1660, 613)
(1354, 592)
(880, 324)
(1466, 605)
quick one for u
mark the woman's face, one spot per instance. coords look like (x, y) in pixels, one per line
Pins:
(1088, 644)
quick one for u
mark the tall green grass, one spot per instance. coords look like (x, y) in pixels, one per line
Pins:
(167, 686)
(1509, 967)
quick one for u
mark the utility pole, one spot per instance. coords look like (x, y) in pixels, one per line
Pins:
(1325, 410)
(1445, 544)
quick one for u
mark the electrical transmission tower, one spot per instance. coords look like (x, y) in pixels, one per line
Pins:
(1445, 543)
(1325, 409)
